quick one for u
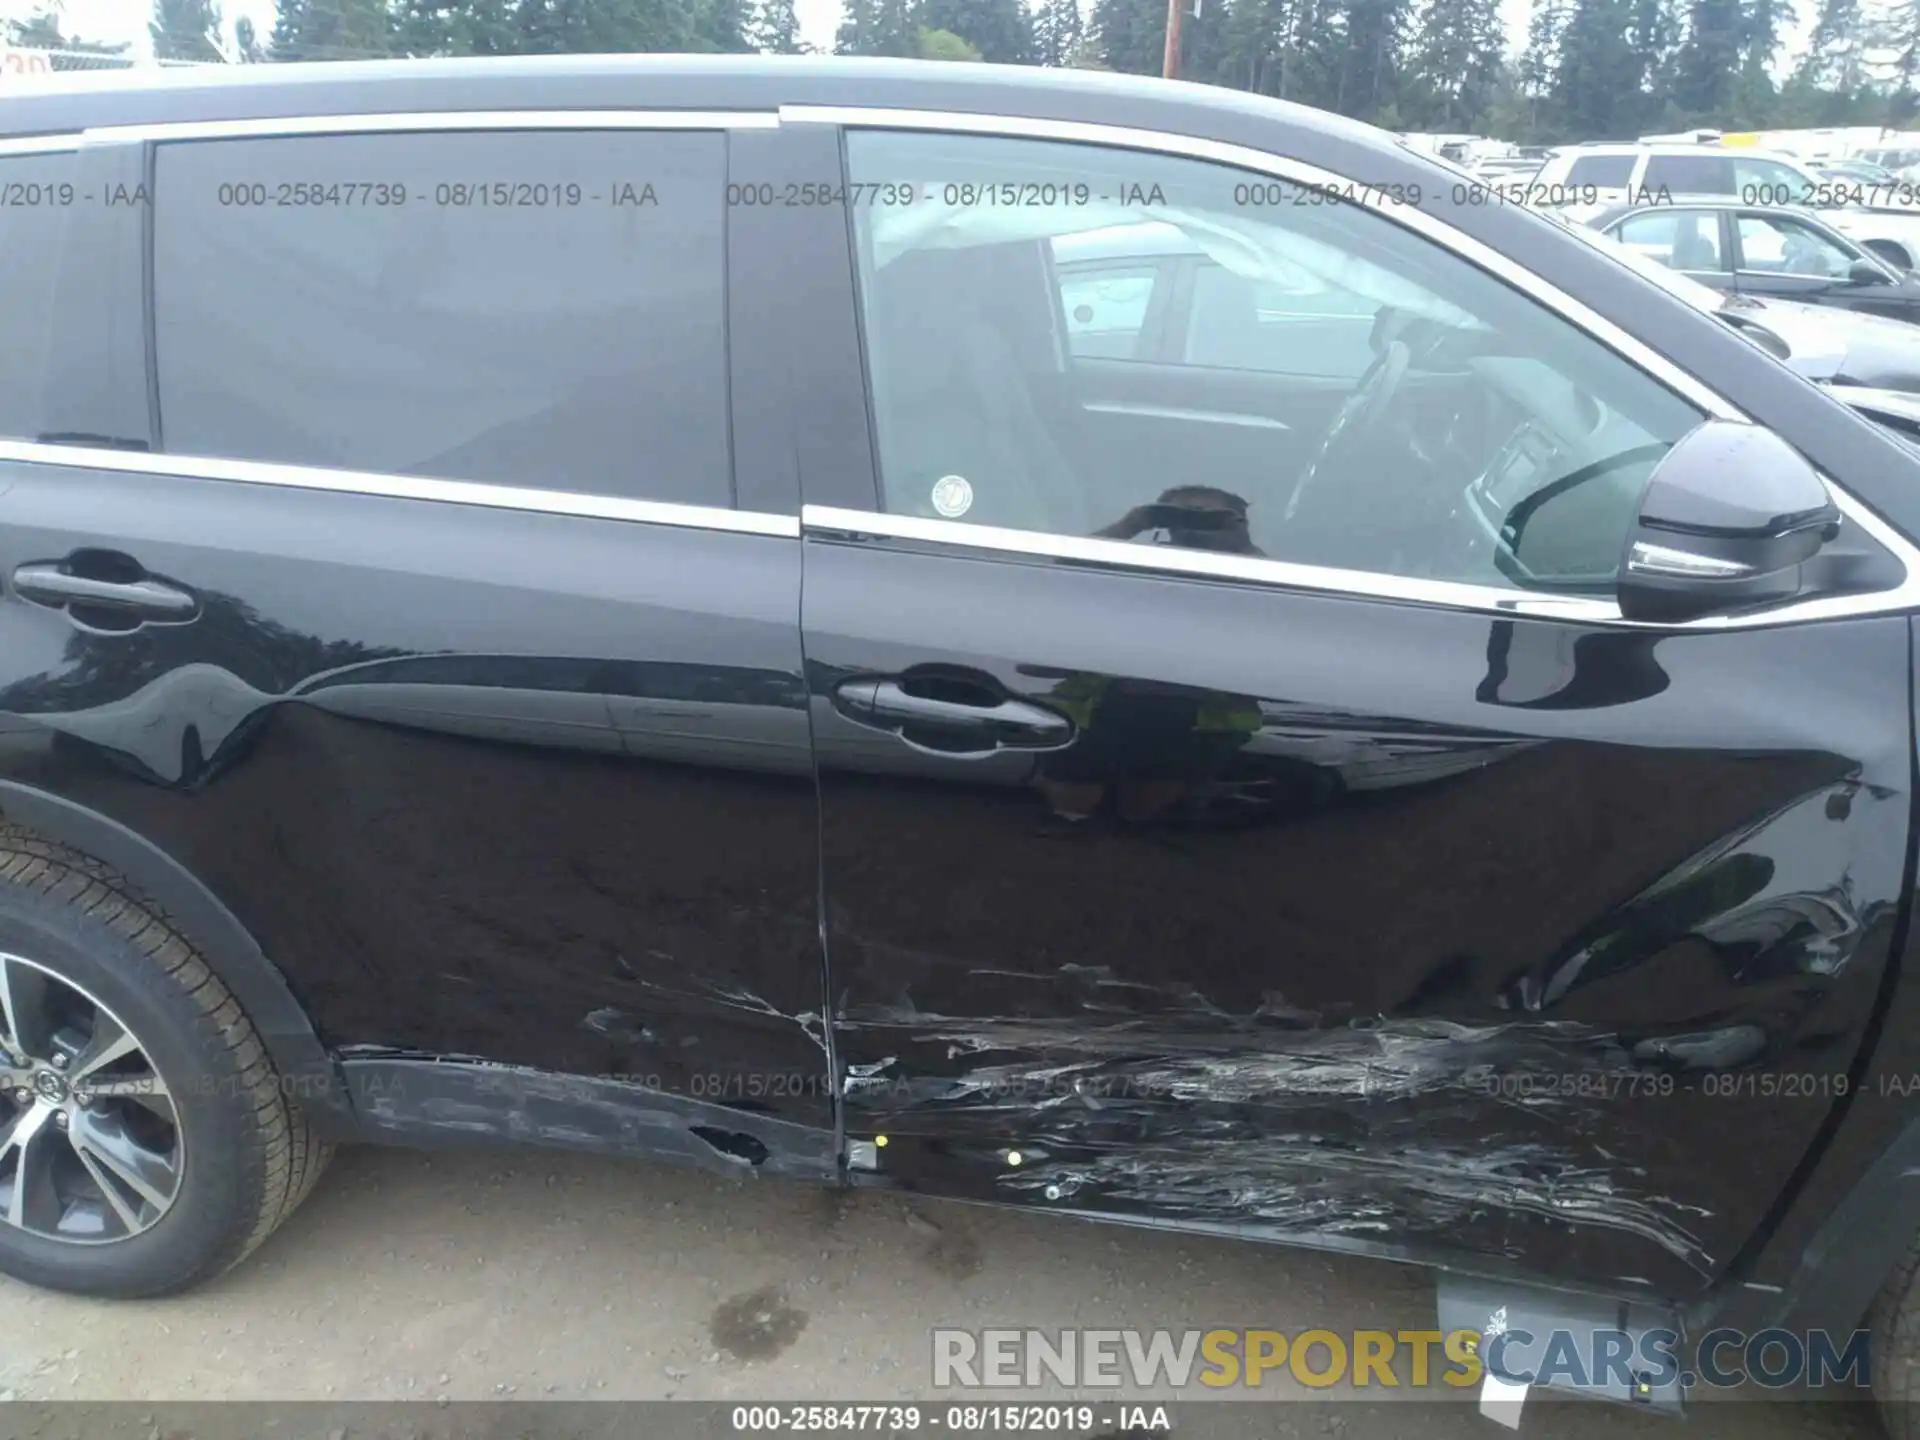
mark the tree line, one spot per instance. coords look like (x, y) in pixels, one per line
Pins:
(1589, 69)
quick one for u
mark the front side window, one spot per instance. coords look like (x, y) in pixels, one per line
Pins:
(1768, 182)
(1678, 239)
(1348, 392)
(37, 195)
(1778, 245)
(540, 309)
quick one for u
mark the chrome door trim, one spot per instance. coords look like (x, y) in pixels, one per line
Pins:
(1177, 412)
(1902, 597)
(405, 487)
(433, 120)
(1127, 555)
(41, 144)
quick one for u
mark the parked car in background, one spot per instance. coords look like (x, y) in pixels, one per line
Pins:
(1764, 250)
(1860, 170)
(1150, 657)
(1828, 346)
(1587, 178)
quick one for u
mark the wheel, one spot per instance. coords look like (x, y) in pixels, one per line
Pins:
(1894, 1329)
(145, 1141)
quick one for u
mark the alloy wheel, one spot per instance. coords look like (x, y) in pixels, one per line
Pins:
(91, 1146)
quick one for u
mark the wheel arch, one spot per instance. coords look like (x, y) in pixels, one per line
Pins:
(305, 1067)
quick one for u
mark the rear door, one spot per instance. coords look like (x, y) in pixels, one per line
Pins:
(1206, 846)
(400, 544)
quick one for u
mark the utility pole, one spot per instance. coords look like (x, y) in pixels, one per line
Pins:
(1170, 64)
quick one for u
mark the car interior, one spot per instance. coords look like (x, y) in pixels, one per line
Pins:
(1412, 416)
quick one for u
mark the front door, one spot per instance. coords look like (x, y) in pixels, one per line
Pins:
(418, 598)
(1249, 836)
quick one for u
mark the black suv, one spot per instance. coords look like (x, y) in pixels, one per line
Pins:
(1114, 647)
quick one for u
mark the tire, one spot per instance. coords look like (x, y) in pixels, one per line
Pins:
(244, 1157)
(1894, 1327)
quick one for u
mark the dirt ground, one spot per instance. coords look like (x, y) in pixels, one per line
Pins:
(522, 1276)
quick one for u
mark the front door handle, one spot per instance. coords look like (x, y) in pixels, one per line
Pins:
(52, 584)
(1003, 722)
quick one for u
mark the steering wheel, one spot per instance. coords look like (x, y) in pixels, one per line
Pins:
(1356, 418)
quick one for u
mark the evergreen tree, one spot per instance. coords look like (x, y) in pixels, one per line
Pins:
(1131, 34)
(1835, 59)
(1454, 65)
(1709, 57)
(774, 28)
(879, 27)
(333, 30)
(1057, 31)
(1373, 31)
(1589, 99)
(185, 30)
(247, 43)
(1000, 31)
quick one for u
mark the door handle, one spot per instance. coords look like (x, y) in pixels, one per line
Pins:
(1014, 724)
(50, 584)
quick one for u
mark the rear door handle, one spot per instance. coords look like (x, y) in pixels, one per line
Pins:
(1014, 723)
(49, 584)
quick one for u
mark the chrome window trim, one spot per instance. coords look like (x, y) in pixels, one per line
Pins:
(385, 123)
(406, 487)
(1165, 560)
(1902, 597)
(1177, 412)
(40, 144)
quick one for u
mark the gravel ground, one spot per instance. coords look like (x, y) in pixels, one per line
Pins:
(523, 1276)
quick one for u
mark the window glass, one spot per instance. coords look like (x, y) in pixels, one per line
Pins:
(1703, 174)
(1679, 239)
(1105, 307)
(1768, 182)
(534, 309)
(1777, 245)
(1293, 325)
(1461, 398)
(1610, 172)
(37, 195)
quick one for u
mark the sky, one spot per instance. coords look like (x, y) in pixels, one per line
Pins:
(117, 20)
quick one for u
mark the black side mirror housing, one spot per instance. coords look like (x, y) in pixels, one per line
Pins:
(1728, 518)
(1865, 272)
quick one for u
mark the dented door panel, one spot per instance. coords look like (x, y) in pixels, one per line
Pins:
(1439, 934)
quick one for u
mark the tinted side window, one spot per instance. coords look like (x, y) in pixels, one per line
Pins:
(1690, 174)
(37, 195)
(1462, 397)
(1610, 172)
(533, 309)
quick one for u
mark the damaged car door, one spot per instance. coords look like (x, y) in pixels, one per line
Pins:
(1244, 829)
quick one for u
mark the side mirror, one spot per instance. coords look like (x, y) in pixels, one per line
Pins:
(1864, 272)
(1727, 519)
